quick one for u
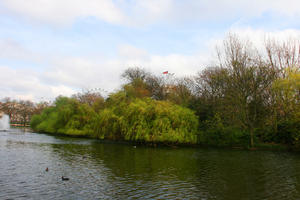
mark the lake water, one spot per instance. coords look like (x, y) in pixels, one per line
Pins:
(100, 170)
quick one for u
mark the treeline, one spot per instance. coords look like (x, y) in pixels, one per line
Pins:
(247, 96)
(21, 111)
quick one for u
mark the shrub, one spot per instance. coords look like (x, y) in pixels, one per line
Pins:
(215, 133)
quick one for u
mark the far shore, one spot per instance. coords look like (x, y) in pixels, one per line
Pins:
(20, 125)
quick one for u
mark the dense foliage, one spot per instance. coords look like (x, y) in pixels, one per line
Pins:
(121, 118)
(246, 97)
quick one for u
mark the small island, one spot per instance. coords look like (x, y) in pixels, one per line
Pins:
(244, 101)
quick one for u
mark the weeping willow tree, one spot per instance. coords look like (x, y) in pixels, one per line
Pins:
(123, 118)
(67, 116)
(158, 121)
(145, 119)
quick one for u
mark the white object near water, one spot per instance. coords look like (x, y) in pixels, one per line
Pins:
(4, 123)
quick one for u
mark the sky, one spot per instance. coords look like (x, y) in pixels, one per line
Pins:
(61, 47)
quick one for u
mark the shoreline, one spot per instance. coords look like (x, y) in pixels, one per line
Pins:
(257, 147)
(20, 125)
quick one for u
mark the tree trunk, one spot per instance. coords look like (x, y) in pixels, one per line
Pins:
(251, 137)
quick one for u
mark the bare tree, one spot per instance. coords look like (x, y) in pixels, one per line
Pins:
(89, 97)
(134, 73)
(283, 54)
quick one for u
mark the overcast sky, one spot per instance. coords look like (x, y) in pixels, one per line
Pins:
(59, 47)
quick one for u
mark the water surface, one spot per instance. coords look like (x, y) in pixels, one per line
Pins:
(100, 170)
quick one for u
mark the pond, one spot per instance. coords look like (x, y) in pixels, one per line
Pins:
(101, 170)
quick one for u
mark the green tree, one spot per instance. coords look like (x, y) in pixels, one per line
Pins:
(287, 93)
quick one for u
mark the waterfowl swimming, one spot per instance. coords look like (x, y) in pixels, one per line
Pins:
(47, 169)
(64, 178)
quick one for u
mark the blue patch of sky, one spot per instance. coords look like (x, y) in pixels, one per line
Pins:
(89, 35)
(270, 21)
(22, 64)
(156, 39)
(95, 35)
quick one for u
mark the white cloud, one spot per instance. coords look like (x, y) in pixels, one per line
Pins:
(179, 64)
(61, 90)
(27, 84)
(145, 11)
(130, 52)
(12, 49)
(66, 11)
(258, 37)
(141, 12)
(82, 73)
(259, 34)
(224, 9)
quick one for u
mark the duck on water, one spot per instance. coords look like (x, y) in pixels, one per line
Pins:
(64, 178)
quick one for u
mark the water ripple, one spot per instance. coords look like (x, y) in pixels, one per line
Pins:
(115, 171)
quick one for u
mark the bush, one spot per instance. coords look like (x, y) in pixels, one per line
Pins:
(215, 133)
(68, 117)
(158, 121)
(107, 125)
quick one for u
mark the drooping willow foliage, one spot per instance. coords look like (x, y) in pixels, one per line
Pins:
(143, 120)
